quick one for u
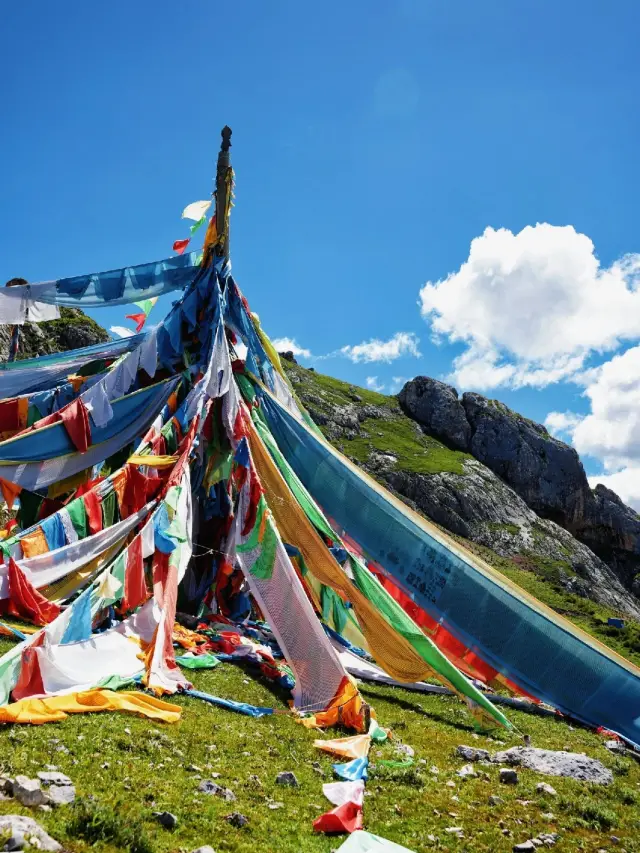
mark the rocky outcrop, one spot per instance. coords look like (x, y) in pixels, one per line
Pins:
(545, 472)
(479, 506)
(436, 406)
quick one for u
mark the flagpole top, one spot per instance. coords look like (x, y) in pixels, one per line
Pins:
(226, 138)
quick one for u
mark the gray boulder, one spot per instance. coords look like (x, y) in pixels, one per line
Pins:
(556, 763)
(436, 407)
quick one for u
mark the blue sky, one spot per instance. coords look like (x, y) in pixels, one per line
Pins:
(373, 141)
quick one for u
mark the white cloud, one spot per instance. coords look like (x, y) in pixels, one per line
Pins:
(121, 332)
(562, 423)
(401, 344)
(531, 307)
(290, 345)
(625, 483)
(374, 385)
(611, 431)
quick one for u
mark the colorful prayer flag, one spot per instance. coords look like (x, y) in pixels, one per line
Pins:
(180, 245)
(196, 210)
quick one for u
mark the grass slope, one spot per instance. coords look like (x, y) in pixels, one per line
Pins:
(125, 768)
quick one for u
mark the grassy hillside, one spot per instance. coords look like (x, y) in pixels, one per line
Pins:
(126, 768)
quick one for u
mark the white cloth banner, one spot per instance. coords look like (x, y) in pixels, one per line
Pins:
(340, 793)
(20, 305)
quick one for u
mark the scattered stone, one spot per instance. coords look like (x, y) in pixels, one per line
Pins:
(28, 827)
(214, 790)
(62, 748)
(127, 731)
(536, 842)
(405, 749)
(455, 830)
(193, 768)
(544, 788)
(287, 778)
(317, 768)
(549, 839)
(54, 778)
(14, 842)
(28, 792)
(615, 746)
(450, 784)
(61, 795)
(557, 763)
(494, 800)
(255, 780)
(508, 776)
(470, 753)
(467, 772)
(433, 770)
(614, 839)
(548, 816)
(524, 802)
(274, 806)
(525, 847)
(166, 819)
(236, 819)
(205, 849)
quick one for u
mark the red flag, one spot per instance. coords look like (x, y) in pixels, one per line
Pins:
(139, 319)
(180, 245)
(344, 818)
(25, 602)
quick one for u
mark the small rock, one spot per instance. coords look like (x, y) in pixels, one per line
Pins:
(614, 839)
(615, 746)
(236, 819)
(61, 795)
(205, 849)
(127, 731)
(14, 842)
(28, 792)
(54, 778)
(255, 780)
(467, 772)
(536, 842)
(495, 800)
(274, 806)
(433, 770)
(548, 816)
(405, 749)
(287, 778)
(470, 753)
(508, 776)
(549, 839)
(455, 830)
(525, 847)
(62, 748)
(193, 768)
(450, 784)
(28, 827)
(544, 788)
(317, 768)
(209, 787)
(166, 819)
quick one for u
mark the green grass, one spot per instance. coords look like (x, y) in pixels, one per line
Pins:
(396, 434)
(125, 768)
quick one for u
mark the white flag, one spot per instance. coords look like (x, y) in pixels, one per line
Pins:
(196, 210)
